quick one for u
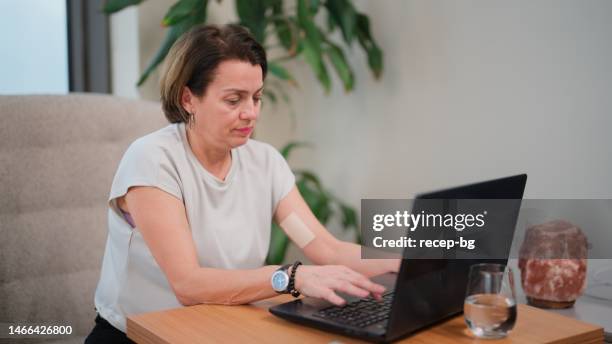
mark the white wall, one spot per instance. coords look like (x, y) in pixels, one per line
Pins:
(471, 90)
(125, 55)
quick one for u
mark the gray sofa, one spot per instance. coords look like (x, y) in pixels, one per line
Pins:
(58, 155)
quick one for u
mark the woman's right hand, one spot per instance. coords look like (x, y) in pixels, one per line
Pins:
(323, 282)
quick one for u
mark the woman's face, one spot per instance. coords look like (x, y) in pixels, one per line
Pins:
(226, 113)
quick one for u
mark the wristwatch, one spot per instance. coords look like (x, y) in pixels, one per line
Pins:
(280, 279)
(284, 283)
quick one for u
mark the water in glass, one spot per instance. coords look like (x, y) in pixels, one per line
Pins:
(490, 306)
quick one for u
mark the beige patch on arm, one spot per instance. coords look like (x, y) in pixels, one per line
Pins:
(297, 230)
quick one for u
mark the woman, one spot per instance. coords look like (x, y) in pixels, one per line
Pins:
(191, 205)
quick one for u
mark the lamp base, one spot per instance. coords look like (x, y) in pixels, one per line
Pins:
(549, 304)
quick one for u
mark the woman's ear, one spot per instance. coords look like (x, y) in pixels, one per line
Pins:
(187, 100)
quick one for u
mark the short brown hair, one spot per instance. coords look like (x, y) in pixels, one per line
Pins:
(195, 56)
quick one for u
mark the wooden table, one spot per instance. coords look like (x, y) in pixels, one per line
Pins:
(254, 324)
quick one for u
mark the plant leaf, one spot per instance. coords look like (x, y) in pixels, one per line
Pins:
(271, 95)
(343, 14)
(171, 36)
(279, 242)
(311, 177)
(311, 44)
(313, 6)
(323, 211)
(174, 32)
(280, 89)
(349, 216)
(181, 10)
(312, 55)
(112, 6)
(252, 14)
(331, 23)
(375, 61)
(341, 65)
(375, 56)
(307, 193)
(285, 151)
(305, 20)
(283, 31)
(317, 201)
(281, 73)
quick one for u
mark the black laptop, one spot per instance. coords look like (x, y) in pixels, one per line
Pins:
(424, 292)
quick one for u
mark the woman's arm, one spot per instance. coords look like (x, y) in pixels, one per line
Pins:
(162, 221)
(325, 248)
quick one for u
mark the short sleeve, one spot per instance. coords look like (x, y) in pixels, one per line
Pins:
(145, 164)
(283, 178)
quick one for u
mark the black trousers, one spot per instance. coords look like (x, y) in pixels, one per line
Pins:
(104, 332)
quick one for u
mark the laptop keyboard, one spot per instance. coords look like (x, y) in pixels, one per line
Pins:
(360, 313)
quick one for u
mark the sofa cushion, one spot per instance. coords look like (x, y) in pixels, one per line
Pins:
(58, 155)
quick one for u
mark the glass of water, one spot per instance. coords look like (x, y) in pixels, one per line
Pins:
(490, 303)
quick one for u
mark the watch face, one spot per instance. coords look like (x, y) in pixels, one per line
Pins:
(280, 281)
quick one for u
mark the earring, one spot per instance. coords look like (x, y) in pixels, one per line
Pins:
(191, 118)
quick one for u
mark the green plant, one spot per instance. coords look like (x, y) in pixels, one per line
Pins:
(292, 29)
(288, 31)
(322, 203)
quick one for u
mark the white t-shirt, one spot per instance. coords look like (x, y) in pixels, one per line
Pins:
(230, 220)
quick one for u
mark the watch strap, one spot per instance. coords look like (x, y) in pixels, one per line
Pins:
(291, 287)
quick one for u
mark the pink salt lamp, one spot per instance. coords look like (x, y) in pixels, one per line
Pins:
(553, 264)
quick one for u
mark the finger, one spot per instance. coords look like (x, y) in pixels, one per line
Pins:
(332, 297)
(349, 288)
